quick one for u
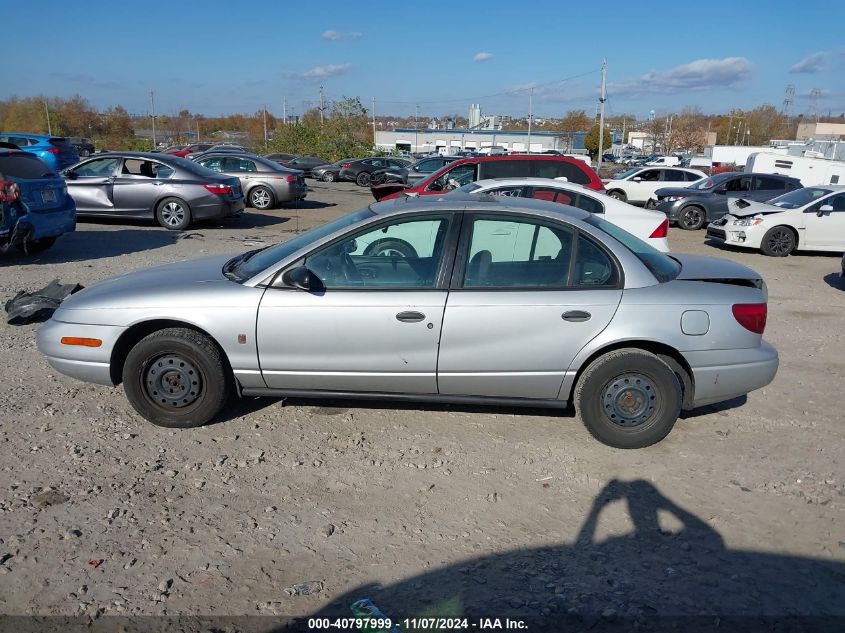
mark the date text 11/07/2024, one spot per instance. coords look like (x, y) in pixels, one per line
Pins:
(434, 624)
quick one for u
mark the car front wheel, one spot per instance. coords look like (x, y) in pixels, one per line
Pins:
(628, 398)
(176, 378)
(778, 241)
(691, 218)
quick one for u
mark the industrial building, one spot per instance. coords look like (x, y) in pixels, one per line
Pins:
(451, 141)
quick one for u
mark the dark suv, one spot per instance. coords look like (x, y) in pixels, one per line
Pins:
(707, 200)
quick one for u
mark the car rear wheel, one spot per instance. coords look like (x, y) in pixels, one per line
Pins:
(37, 246)
(616, 194)
(691, 218)
(362, 179)
(778, 241)
(628, 398)
(328, 177)
(176, 378)
(261, 198)
(173, 214)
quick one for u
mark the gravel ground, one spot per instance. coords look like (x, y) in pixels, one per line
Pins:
(427, 510)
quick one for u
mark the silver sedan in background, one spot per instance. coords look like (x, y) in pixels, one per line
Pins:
(173, 191)
(264, 182)
(468, 299)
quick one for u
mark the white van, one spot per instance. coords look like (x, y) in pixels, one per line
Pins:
(811, 172)
(665, 161)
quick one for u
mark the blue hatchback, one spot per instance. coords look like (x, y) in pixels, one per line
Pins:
(35, 207)
(58, 152)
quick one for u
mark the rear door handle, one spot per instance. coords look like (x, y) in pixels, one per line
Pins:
(410, 317)
(576, 316)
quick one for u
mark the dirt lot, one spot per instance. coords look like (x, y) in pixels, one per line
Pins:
(427, 510)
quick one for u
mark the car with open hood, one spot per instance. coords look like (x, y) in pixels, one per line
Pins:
(808, 219)
(502, 301)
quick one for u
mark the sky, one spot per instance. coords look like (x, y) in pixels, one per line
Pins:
(213, 57)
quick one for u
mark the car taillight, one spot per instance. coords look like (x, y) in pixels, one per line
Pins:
(218, 189)
(9, 191)
(291, 179)
(53, 150)
(751, 316)
(662, 230)
(346, 165)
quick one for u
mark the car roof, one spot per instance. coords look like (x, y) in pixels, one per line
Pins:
(43, 137)
(458, 201)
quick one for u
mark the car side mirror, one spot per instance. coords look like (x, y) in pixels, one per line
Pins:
(70, 175)
(302, 278)
(637, 179)
(825, 208)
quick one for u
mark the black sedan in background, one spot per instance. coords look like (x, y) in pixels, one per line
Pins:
(330, 172)
(413, 172)
(172, 190)
(360, 170)
(305, 164)
(281, 157)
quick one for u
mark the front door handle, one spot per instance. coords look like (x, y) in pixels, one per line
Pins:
(576, 316)
(410, 317)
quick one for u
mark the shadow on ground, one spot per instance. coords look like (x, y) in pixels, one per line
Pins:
(93, 244)
(835, 280)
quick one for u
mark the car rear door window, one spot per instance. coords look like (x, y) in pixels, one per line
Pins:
(505, 169)
(691, 177)
(767, 183)
(674, 175)
(517, 253)
(565, 196)
(559, 169)
(402, 254)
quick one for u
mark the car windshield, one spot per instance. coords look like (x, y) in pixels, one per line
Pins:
(250, 264)
(710, 183)
(663, 267)
(624, 174)
(799, 197)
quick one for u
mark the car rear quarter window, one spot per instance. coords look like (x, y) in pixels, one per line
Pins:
(559, 169)
(24, 166)
(767, 183)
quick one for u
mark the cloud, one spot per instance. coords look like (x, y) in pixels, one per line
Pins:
(482, 57)
(701, 74)
(320, 72)
(87, 80)
(810, 64)
(334, 36)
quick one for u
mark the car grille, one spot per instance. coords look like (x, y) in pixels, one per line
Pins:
(717, 233)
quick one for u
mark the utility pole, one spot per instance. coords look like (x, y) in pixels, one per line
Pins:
(265, 125)
(153, 115)
(374, 122)
(198, 129)
(624, 121)
(530, 116)
(47, 110)
(322, 105)
(285, 111)
(416, 117)
(602, 99)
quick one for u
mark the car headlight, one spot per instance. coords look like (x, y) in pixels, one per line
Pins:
(752, 221)
(674, 198)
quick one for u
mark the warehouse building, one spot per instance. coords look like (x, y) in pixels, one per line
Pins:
(451, 141)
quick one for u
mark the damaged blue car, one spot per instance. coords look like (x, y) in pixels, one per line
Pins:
(35, 207)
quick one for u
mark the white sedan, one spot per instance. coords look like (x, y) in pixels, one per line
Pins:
(808, 219)
(652, 227)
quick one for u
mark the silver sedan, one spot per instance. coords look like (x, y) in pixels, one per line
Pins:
(265, 183)
(463, 299)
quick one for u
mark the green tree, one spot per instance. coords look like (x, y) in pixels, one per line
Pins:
(591, 141)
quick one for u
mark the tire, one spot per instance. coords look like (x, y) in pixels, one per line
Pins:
(173, 214)
(171, 359)
(328, 177)
(390, 247)
(618, 194)
(83, 153)
(261, 198)
(628, 378)
(362, 179)
(650, 204)
(691, 218)
(37, 246)
(779, 241)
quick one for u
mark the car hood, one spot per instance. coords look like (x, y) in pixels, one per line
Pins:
(678, 191)
(168, 284)
(741, 208)
(704, 268)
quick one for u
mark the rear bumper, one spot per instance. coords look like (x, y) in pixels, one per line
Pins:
(220, 208)
(720, 375)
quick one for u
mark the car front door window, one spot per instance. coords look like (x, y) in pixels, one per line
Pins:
(402, 254)
(454, 178)
(99, 168)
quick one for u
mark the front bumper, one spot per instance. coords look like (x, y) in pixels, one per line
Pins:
(91, 364)
(671, 209)
(721, 375)
(733, 235)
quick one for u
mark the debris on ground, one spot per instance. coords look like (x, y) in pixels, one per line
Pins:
(305, 588)
(35, 307)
